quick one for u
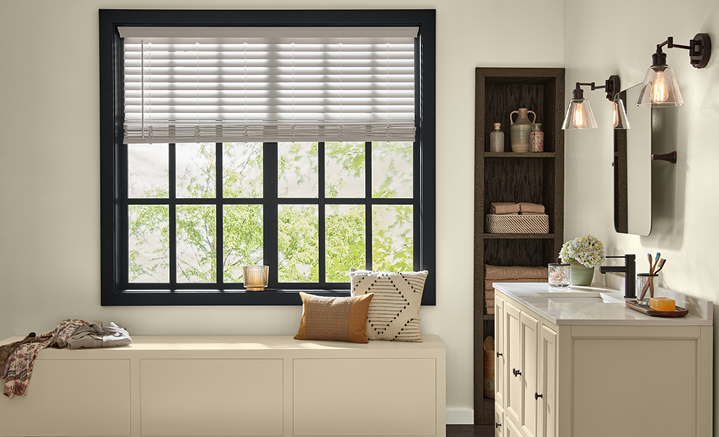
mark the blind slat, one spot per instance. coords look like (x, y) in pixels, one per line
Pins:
(296, 86)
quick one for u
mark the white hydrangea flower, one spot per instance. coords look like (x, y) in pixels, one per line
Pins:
(586, 250)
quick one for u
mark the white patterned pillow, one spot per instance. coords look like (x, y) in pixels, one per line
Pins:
(394, 311)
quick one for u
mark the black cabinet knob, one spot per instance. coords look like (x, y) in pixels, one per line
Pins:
(497, 425)
(499, 354)
(516, 372)
(537, 396)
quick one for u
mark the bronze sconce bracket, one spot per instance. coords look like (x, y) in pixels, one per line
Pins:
(611, 86)
(699, 47)
(670, 157)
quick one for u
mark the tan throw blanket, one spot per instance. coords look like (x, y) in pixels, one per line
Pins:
(17, 370)
(95, 335)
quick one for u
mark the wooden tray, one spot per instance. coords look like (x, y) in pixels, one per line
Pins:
(645, 309)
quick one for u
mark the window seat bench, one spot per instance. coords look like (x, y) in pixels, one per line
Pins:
(234, 386)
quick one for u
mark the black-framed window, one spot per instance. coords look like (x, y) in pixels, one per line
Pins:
(179, 219)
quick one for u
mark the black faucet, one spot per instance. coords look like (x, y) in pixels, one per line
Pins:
(630, 269)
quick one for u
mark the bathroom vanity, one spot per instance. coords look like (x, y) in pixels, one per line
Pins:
(578, 362)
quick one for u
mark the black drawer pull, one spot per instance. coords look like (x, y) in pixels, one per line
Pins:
(516, 372)
(499, 354)
(497, 425)
(537, 396)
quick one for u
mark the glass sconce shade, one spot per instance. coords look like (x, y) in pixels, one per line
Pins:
(660, 88)
(579, 116)
(620, 114)
(256, 277)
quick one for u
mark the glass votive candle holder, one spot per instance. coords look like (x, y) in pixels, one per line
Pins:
(256, 277)
(558, 274)
(645, 287)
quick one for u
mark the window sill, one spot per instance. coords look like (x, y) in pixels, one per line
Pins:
(270, 297)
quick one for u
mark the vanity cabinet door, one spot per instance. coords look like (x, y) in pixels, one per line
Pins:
(547, 383)
(498, 420)
(500, 360)
(510, 429)
(513, 360)
(529, 336)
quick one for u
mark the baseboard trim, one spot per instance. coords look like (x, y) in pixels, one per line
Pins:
(460, 416)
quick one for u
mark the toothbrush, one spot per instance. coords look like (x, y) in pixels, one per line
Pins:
(649, 256)
(661, 266)
(656, 261)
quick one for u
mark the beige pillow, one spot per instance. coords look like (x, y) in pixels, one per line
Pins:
(394, 312)
(334, 318)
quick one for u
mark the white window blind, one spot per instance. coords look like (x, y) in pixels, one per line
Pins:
(268, 84)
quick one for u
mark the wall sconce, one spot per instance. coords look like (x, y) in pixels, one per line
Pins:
(579, 114)
(620, 114)
(256, 277)
(660, 89)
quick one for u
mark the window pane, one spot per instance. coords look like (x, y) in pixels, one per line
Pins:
(392, 169)
(345, 247)
(298, 243)
(241, 170)
(297, 170)
(149, 253)
(344, 169)
(195, 167)
(148, 170)
(392, 238)
(242, 239)
(196, 254)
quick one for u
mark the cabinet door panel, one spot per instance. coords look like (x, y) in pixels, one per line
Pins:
(189, 397)
(529, 332)
(93, 395)
(616, 376)
(500, 366)
(511, 430)
(352, 397)
(513, 395)
(498, 420)
(547, 384)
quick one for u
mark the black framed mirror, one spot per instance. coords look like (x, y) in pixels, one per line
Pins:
(633, 168)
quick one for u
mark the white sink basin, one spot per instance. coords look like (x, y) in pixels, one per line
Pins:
(580, 300)
(570, 296)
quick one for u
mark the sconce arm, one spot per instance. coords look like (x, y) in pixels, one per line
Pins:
(699, 50)
(612, 86)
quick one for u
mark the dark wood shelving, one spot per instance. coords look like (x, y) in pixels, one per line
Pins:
(513, 155)
(518, 236)
(514, 177)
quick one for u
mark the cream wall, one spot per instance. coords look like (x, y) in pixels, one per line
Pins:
(49, 166)
(685, 196)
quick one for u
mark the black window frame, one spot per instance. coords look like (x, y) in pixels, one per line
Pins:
(113, 169)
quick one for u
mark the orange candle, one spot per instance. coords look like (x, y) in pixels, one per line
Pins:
(256, 277)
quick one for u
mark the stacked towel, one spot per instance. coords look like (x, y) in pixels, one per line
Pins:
(531, 208)
(504, 208)
(512, 208)
(494, 274)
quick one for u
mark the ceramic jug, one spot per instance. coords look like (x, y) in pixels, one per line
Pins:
(521, 129)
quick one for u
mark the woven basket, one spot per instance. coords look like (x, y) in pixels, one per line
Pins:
(517, 224)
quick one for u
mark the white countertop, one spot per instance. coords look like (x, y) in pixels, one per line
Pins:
(555, 305)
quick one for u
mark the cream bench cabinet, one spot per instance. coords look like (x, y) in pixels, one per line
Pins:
(234, 386)
(567, 368)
